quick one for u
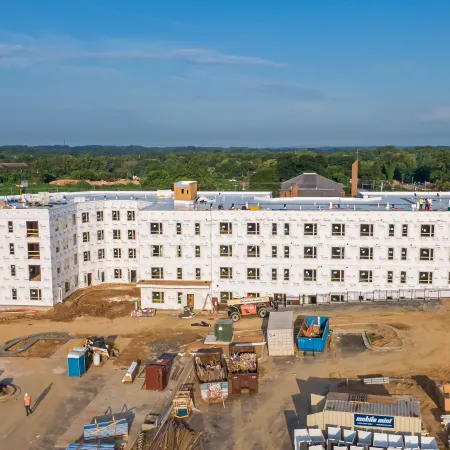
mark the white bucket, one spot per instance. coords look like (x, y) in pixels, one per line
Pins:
(97, 359)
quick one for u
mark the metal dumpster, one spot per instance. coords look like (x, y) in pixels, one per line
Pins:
(313, 334)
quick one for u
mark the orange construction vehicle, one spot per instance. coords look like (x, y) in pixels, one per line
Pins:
(250, 306)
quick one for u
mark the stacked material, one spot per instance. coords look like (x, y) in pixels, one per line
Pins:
(176, 435)
(102, 430)
(312, 331)
(209, 371)
(243, 362)
(91, 446)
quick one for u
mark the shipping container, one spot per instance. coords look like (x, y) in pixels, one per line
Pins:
(313, 334)
(243, 367)
(280, 333)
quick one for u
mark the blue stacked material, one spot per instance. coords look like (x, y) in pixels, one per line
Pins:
(317, 343)
(91, 446)
(103, 430)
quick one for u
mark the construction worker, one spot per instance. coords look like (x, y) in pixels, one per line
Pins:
(27, 404)
(421, 203)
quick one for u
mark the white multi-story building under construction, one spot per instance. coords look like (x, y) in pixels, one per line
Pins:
(187, 247)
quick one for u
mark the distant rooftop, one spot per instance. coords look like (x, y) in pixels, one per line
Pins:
(311, 180)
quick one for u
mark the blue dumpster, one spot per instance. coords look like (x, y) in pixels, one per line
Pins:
(76, 362)
(317, 343)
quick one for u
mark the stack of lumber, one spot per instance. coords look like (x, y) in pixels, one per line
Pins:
(176, 435)
(209, 372)
(243, 362)
(312, 331)
(102, 430)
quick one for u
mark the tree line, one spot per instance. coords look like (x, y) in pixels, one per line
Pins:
(226, 169)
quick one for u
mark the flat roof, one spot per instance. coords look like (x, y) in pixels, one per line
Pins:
(400, 406)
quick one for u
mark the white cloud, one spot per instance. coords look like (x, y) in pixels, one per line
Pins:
(441, 114)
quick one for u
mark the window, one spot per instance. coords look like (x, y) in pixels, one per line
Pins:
(132, 235)
(32, 229)
(57, 246)
(366, 229)
(226, 228)
(338, 229)
(391, 253)
(14, 293)
(337, 275)
(66, 263)
(74, 240)
(74, 219)
(197, 251)
(425, 277)
(11, 249)
(405, 230)
(274, 274)
(286, 275)
(157, 273)
(365, 276)
(10, 226)
(253, 274)
(226, 273)
(179, 229)
(75, 259)
(86, 236)
(33, 250)
(117, 234)
(286, 251)
(99, 216)
(274, 251)
(274, 229)
(179, 251)
(337, 252)
(56, 225)
(35, 294)
(131, 216)
(403, 277)
(404, 253)
(101, 253)
(309, 275)
(286, 229)
(156, 228)
(253, 228)
(198, 273)
(58, 268)
(427, 231)
(426, 254)
(158, 297)
(279, 298)
(132, 253)
(390, 276)
(13, 270)
(64, 223)
(391, 229)
(66, 287)
(197, 229)
(179, 273)
(157, 250)
(65, 244)
(366, 253)
(180, 298)
(226, 250)
(253, 251)
(85, 217)
(253, 294)
(310, 252)
(337, 298)
(76, 280)
(86, 256)
(117, 252)
(118, 274)
(100, 235)
(115, 215)
(310, 229)
(225, 296)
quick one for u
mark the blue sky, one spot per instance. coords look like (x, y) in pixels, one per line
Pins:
(286, 73)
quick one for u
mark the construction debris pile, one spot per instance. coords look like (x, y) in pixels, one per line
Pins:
(312, 331)
(211, 370)
(243, 362)
(176, 435)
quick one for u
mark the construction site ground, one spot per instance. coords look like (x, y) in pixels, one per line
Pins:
(411, 347)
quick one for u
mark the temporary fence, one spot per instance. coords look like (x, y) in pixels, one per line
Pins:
(103, 430)
(364, 296)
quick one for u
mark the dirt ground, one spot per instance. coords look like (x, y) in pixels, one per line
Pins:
(93, 183)
(267, 419)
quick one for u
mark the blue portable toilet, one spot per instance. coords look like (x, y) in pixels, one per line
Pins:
(76, 362)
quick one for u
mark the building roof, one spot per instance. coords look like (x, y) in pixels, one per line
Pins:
(399, 406)
(184, 184)
(311, 180)
(20, 165)
(281, 320)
